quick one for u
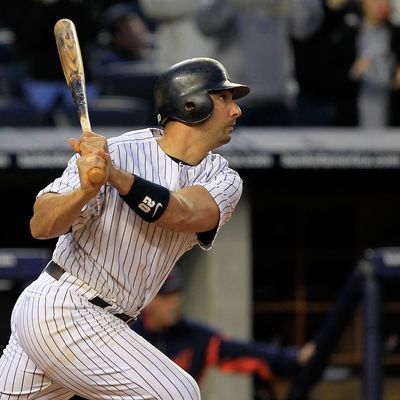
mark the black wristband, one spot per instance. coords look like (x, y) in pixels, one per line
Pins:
(147, 199)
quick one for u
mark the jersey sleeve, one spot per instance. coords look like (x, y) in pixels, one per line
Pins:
(261, 359)
(225, 186)
(68, 181)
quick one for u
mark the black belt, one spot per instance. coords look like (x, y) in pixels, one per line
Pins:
(56, 271)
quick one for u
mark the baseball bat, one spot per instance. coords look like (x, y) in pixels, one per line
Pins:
(71, 60)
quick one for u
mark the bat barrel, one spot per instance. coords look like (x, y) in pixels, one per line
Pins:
(71, 60)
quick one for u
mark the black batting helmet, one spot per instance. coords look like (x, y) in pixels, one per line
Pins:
(181, 93)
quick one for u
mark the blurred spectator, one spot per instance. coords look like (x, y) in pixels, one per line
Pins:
(376, 66)
(254, 42)
(125, 38)
(354, 81)
(178, 36)
(123, 62)
(327, 97)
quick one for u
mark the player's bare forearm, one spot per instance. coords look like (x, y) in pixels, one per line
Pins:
(121, 180)
(54, 214)
(191, 209)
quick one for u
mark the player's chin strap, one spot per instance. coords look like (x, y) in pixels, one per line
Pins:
(147, 199)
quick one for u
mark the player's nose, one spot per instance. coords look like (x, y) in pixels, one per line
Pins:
(236, 110)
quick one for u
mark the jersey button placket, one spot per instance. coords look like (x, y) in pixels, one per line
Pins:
(183, 175)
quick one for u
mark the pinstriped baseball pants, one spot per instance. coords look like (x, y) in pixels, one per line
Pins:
(62, 345)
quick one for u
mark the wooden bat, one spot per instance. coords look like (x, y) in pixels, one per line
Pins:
(72, 65)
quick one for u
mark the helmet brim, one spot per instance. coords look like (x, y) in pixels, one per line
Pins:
(238, 90)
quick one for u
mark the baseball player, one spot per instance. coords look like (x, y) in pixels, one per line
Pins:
(164, 191)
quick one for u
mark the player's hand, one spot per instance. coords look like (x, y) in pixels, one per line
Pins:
(306, 352)
(336, 4)
(87, 142)
(93, 159)
(359, 67)
(396, 79)
(93, 150)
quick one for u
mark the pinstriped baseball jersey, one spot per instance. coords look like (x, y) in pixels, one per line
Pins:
(118, 254)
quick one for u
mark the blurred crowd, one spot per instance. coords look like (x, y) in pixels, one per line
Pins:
(308, 62)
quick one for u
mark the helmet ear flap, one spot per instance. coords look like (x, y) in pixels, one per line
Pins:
(195, 107)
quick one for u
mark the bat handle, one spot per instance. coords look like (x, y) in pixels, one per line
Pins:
(85, 121)
(95, 174)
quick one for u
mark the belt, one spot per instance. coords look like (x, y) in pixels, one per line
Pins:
(55, 271)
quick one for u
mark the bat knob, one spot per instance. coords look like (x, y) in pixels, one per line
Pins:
(96, 175)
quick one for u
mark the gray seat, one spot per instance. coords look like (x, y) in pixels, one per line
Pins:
(15, 111)
(129, 79)
(113, 111)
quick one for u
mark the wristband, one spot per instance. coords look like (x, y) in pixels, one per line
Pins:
(147, 199)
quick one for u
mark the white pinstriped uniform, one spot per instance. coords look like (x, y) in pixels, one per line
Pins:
(61, 343)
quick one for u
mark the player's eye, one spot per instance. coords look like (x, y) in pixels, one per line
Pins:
(224, 95)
